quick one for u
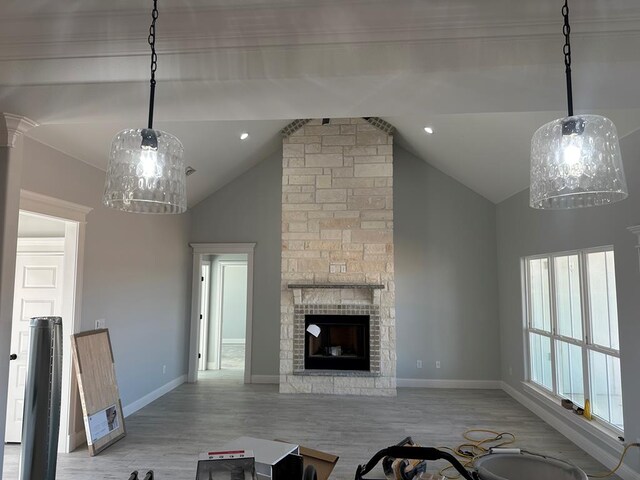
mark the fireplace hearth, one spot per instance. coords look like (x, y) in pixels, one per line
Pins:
(337, 342)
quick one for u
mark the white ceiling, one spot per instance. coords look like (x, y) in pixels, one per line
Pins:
(485, 74)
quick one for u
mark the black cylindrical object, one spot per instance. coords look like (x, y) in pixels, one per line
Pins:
(43, 390)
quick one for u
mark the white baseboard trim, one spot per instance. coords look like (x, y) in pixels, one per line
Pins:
(150, 397)
(266, 379)
(437, 383)
(572, 433)
(233, 341)
(211, 366)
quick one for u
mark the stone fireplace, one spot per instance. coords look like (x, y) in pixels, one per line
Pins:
(338, 298)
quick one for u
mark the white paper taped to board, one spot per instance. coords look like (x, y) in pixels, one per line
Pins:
(314, 330)
(102, 423)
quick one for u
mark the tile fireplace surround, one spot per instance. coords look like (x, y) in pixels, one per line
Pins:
(337, 249)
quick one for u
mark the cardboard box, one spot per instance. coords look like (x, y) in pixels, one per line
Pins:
(274, 460)
(238, 464)
(324, 463)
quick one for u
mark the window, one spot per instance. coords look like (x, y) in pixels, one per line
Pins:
(572, 329)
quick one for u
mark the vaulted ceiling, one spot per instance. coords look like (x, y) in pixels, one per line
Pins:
(485, 74)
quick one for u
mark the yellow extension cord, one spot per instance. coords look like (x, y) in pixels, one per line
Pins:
(617, 467)
(477, 447)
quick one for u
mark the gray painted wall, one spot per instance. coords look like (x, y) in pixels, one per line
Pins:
(523, 231)
(446, 281)
(137, 273)
(248, 210)
(446, 276)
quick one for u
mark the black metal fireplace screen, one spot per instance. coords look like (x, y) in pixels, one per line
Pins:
(337, 342)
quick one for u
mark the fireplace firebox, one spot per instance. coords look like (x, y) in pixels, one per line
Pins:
(337, 342)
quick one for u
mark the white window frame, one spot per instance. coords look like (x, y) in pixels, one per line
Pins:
(585, 344)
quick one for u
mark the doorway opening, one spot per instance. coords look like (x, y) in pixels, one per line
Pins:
(223, 303)
(221, 312)
(43, 286)
(48, 281)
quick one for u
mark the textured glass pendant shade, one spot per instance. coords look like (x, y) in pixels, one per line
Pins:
(146, 173)
(576, 162)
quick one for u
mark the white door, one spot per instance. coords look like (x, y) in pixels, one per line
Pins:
(38, 292)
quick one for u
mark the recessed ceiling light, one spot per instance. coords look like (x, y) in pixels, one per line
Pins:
(429, 130)
(244, 136)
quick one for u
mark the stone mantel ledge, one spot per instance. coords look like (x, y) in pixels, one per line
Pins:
(336, 293)
(336, 286)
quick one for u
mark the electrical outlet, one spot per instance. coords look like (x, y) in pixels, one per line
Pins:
(164, 369)
(437, 363)
(343, 269)
(418, 363)
(333, 268)
(101, 323)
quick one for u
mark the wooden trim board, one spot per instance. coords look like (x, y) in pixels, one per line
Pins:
(101, 406)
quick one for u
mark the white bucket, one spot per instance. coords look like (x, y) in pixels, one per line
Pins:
(514, 466)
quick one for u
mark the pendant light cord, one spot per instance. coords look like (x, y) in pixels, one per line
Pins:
(154, 60)
(566, 29)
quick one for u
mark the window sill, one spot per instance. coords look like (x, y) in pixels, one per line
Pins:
(593, 427)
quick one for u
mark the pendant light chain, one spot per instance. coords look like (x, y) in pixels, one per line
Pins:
(575, 160)
(154, 59)
(566, 29)
(146, 169)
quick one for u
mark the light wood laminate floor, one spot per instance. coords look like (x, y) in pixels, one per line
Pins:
(168, 434)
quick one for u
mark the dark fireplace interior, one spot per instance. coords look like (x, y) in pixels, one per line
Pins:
(342, 343)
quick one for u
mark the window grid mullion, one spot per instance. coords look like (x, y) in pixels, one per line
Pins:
(586, 324)
(542, 333)
(607, 351)
(554, 323)
(606, 283)
(571, 340)
(527, 291)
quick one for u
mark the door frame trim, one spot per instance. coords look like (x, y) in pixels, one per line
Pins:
(205, 320)
(200, 250)
(75, 231)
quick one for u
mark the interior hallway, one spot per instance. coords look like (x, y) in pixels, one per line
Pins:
(168, 434)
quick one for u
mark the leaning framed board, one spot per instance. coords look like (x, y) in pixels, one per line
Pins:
(99, 395)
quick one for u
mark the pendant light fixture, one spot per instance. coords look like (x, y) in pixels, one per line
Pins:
(146, 171)
(576, 160)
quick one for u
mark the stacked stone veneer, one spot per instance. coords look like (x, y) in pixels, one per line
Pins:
(337, 228)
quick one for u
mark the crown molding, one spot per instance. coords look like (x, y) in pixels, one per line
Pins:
(12, 126)
(269, 24)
